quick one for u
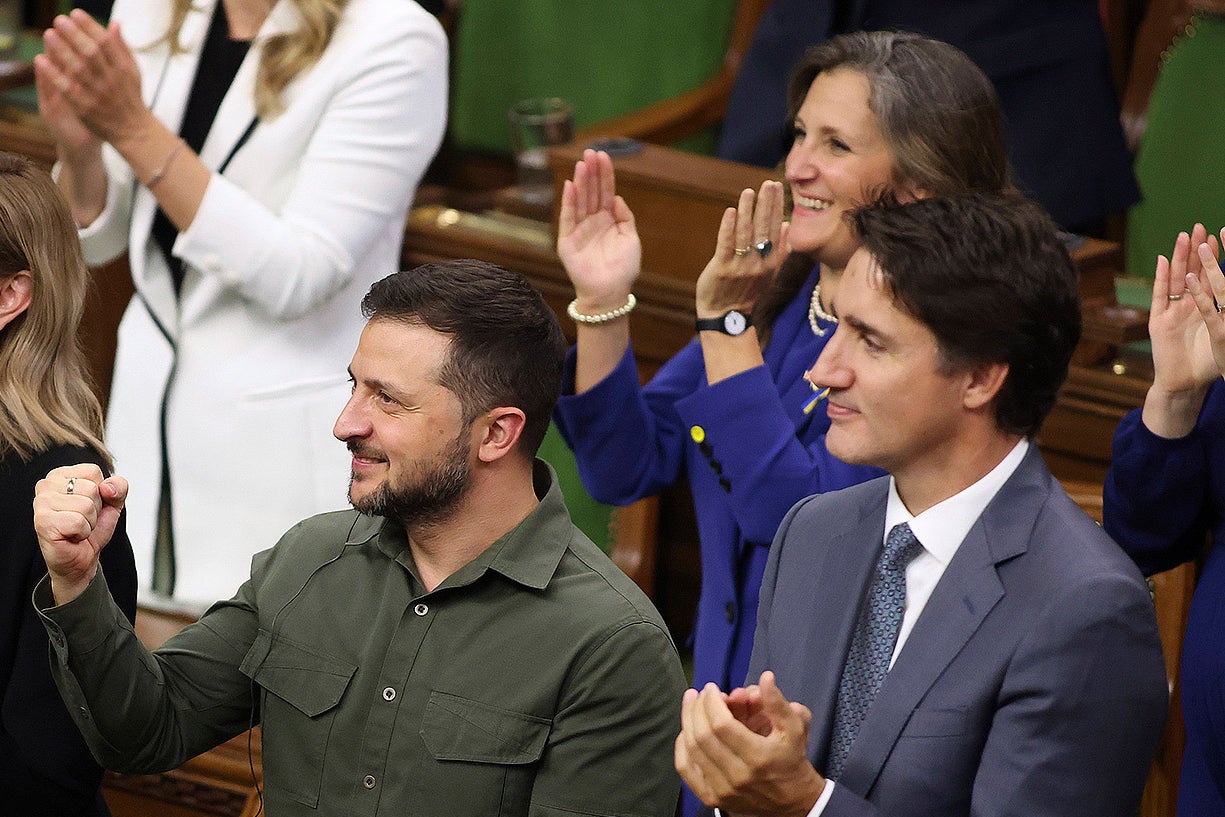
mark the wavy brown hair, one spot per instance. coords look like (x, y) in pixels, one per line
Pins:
(45, 393)
(285, 55)
(938, 114)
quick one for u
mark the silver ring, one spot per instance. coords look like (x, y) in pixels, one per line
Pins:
(1220, 309)
(1177, 297)
(741, 252)
(72, 483)
(764, 248)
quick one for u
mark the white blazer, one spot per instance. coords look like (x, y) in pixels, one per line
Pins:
(248, 366)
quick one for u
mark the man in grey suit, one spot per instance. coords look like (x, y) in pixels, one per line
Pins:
(957, 638)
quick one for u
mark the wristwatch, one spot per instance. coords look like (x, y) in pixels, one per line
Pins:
(733, 323)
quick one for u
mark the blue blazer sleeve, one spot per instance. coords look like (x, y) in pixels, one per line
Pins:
(1163, 496)
(627, 439)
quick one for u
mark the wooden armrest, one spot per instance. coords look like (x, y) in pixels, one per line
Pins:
(634, 533)
(672, 119)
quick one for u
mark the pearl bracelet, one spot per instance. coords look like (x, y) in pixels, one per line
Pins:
(603, 317)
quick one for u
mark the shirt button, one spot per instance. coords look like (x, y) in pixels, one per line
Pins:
(389, 694)
(730, 609)
(368, 781)
(421, 609)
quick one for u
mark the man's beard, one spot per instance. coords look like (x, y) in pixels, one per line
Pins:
(430, 498)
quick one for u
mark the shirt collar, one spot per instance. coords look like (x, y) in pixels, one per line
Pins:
(528, 554)
(942, 527)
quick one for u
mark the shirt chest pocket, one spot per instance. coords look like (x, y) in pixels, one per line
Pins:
(480, 759)
(302, 688)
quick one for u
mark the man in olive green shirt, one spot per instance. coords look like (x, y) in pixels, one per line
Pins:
(454, 646)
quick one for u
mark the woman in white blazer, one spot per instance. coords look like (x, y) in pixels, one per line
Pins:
(294, 204)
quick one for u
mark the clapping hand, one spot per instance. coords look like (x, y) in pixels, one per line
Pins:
(88, 84)
(746, 751)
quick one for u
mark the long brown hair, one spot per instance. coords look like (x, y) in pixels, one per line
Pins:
(284, 55)
(937, 112)
(45, 394)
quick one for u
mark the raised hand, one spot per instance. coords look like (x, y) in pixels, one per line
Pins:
(75, 514)
(1182, 357)
(596, 237)
(1183, 364)
(1207, 287)
(738, 272)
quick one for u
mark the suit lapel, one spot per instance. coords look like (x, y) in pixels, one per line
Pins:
(966, 593)
(845, 572)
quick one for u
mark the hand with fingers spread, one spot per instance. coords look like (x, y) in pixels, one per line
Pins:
(87, 78)
(596, 237)
(745, 752)
(1183, 364)
(748, 252)
(75, 514)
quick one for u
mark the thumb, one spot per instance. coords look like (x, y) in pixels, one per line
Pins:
(774, 703)
(114, 493)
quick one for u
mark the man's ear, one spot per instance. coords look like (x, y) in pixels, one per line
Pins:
(983, 384)
(501, 428)
(16, 291)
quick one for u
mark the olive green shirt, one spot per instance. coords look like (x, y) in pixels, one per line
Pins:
(536, 680)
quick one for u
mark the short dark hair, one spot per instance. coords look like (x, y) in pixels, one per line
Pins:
(989, 275)
(507, 347)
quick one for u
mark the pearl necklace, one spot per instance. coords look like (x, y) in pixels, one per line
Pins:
(818, 315)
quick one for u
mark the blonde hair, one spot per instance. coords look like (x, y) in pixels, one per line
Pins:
(284, 55)
(45, 393)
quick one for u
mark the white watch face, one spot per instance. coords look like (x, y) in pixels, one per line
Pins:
(734, 323)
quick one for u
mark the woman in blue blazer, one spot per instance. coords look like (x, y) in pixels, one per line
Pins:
(732, 412)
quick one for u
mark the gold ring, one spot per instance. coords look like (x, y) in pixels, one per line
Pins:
(1177, 297)
(741, 252)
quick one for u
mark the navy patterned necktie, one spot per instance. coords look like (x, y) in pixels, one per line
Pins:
(872, 645)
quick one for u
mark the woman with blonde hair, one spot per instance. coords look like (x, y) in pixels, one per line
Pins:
(256, 159)
(49, 417)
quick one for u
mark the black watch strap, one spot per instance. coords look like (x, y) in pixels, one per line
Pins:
(733, 322)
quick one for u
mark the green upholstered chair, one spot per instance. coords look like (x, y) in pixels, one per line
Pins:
(606, 59)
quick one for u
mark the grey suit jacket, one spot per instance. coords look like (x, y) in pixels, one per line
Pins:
(1032, 684)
